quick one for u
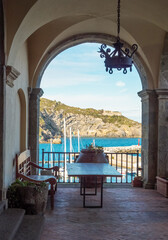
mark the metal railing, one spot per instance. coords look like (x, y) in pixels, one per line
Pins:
(128, 164)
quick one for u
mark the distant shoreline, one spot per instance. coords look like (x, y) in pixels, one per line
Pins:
(123, 149)
(93, 138)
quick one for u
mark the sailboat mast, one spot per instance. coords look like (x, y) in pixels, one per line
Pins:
(64, 136)
(65, 168)
(70, 143)
(70, 139)
(51, 159)
(78, 142)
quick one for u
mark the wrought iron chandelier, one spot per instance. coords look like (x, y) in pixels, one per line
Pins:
(119, 58)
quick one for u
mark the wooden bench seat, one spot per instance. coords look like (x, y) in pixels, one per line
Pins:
(24, 171)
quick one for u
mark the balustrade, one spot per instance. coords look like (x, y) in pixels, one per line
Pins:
(128, 164)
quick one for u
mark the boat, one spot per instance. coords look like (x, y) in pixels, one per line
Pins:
(131, 173)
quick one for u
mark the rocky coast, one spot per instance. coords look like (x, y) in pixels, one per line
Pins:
(89, 122)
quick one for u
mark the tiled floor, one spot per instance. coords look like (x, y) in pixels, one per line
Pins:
(130, 213)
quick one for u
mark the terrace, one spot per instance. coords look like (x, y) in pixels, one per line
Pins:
(128, 213)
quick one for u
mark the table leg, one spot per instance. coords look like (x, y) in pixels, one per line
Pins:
(84, 192)
(82, 187)
(101, 193)
(81, 183)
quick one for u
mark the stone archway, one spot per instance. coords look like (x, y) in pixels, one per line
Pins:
(149, 130)
(144, 73)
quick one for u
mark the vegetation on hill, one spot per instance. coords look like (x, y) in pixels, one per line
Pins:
(90, 122)
(51, 106)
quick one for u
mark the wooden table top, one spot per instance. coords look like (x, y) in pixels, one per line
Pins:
(92, 169)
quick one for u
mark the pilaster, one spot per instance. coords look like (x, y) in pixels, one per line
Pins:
(11, 75)
(149, 137)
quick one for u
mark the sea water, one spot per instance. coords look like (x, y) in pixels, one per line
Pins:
(84, 142)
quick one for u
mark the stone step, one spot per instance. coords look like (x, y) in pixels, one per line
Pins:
(30, 228)
(10, 221)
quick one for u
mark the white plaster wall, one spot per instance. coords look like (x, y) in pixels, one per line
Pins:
(12, 133)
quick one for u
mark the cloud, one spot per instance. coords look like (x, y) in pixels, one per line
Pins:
(66, 79)
(79, 59)
(120, 84)
(124, 90)
(92, 54)
(133, 114)
(66, 63)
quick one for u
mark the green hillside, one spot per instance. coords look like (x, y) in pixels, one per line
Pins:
(89, 122)
(50, 105)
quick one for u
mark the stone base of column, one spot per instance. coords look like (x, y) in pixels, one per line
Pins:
(0, 195)
(3, 194)
(149, 185)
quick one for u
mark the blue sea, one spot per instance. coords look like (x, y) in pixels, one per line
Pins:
(103, 142)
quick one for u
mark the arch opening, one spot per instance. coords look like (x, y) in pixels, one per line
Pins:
(94, 90)
(90, 78)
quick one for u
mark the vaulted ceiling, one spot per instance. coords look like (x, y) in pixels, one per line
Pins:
(48, 27)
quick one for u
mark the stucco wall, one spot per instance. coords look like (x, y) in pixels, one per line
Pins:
(13, 113)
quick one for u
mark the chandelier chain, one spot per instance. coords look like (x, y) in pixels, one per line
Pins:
(118, 19)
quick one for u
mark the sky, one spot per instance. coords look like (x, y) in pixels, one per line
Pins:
(77, 77)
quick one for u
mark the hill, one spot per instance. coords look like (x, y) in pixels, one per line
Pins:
(89, 121)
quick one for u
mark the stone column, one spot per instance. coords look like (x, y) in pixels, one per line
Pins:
(163, 78)
(34, 113)
(162, 169)
(149, 137)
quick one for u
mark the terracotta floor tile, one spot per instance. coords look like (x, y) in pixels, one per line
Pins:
(127, 213)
